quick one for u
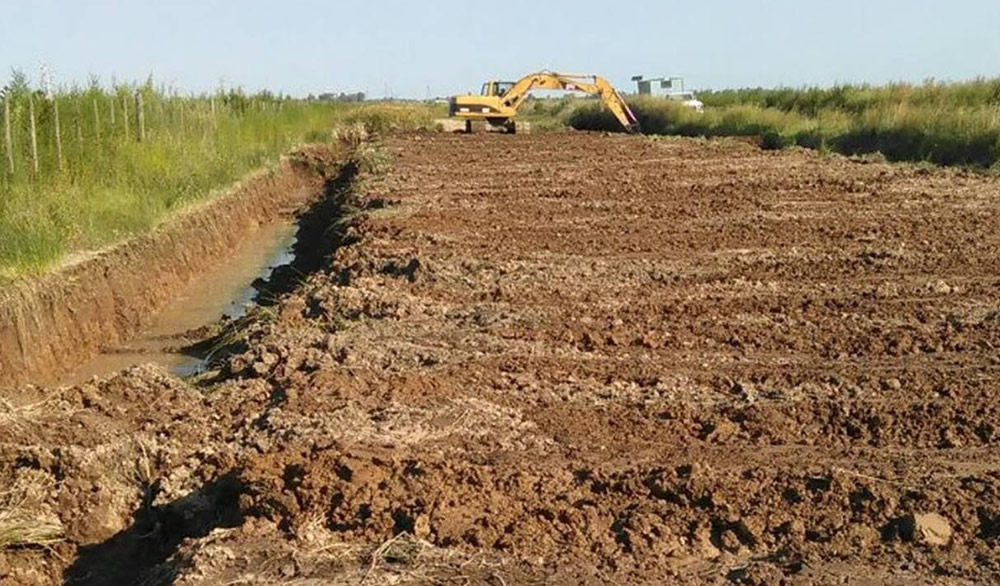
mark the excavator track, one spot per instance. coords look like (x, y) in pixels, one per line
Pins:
(504, 127)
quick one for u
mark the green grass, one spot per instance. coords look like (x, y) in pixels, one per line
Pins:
(110, 186)
(857, 99)
(945, 124)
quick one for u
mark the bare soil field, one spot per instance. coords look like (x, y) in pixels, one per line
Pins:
(561, 359)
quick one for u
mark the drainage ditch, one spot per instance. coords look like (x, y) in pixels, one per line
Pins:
(183, 337)
(226, 291)
(152, 299)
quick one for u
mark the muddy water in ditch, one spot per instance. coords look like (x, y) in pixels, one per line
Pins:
(226, 290)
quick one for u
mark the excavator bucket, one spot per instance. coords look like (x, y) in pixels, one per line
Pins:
(633, 126)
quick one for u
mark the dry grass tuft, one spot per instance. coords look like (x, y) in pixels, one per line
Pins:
(405, 425)
(403, 559)
(20, 416)
(350, 136)
(320, 556)
(25, 519)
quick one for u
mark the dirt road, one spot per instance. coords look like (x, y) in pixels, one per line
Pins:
(566, 359)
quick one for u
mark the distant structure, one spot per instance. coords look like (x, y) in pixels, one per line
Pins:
(342, 97)
(659, 86)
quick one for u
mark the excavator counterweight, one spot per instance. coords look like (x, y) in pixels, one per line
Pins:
(499, 101)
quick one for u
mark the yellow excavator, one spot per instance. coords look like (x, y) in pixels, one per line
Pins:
(497, 104)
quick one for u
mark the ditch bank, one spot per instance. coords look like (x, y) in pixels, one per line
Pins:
(51, 324)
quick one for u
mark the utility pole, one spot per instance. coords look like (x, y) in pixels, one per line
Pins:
(34, 136)
(8, 140)
(55, 114)
(140, 117)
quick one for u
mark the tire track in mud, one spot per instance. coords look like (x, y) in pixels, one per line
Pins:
(607, 359)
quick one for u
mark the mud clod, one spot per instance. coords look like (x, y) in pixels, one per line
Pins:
(926, 528)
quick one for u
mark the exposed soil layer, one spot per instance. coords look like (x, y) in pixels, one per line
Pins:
(224, 292)
(565, 359)
(51, 324)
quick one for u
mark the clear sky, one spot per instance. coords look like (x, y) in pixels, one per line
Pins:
(448, 46)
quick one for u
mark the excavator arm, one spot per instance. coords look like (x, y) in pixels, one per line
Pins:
(591, 84)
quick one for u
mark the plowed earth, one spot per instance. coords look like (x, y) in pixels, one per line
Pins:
(567, 359)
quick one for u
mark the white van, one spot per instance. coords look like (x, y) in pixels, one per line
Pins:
(688, 99)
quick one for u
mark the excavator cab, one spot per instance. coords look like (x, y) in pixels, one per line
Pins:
(496, 88)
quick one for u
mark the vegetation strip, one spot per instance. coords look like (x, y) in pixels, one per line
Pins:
(945, 124)
(87, 167)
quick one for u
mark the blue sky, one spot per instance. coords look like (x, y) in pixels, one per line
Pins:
(303, 46)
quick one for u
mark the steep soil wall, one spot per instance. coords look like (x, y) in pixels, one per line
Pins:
(51, 323)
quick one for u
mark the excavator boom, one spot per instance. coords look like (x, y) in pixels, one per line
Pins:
(500, 101)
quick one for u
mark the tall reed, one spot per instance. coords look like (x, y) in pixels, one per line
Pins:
(97, 182)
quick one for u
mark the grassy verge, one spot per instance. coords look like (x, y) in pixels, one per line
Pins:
(946, 124)
(97, 183)
(386, 117)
